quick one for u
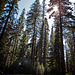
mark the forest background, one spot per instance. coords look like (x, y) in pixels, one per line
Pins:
(39, 41)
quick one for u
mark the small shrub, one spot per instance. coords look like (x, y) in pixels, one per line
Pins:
(40, 69)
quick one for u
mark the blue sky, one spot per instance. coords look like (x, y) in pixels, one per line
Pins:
(25, 4)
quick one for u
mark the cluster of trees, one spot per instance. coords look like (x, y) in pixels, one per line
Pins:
(64, 30)
(10, 32)
(24, 43)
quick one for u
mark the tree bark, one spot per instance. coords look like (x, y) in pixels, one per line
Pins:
(61, 42)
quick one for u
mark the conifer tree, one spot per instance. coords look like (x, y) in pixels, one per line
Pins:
(46, 43)
(33, 18)
(23, 46)
(42, 32)
(51, 49)
(17, 31)
(10, 5)
(62, 13)
(7, 20)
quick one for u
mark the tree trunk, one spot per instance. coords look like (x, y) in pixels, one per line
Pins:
(61, 42)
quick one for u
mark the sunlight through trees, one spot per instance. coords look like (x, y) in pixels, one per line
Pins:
(28, 45)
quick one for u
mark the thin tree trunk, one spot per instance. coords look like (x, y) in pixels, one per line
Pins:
(61, 43)
(44, 62)
(33, 45)
(67, 61)
(42, 34)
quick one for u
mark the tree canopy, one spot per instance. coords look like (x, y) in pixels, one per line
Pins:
(29, 46)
